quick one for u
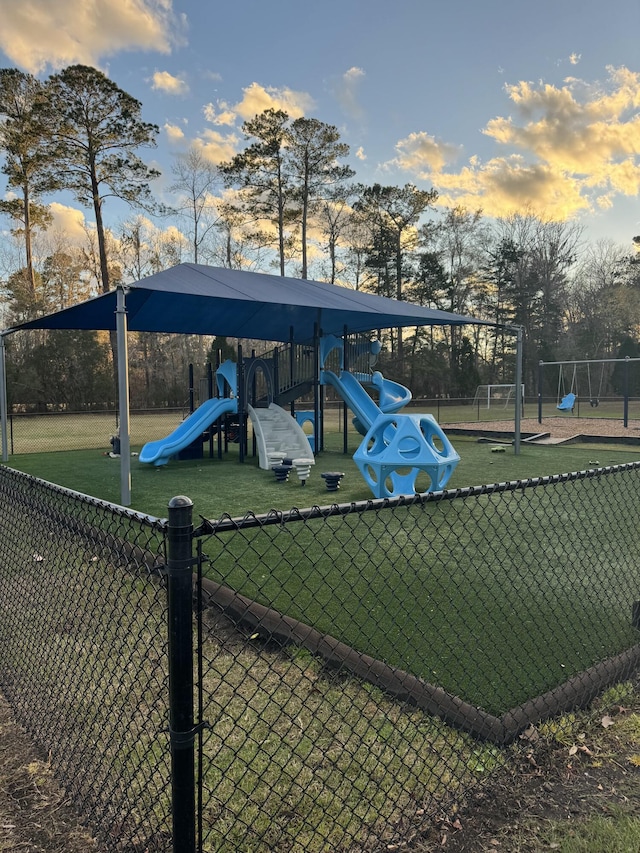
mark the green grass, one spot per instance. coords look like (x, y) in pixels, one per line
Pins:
(480, 596)
(226, 486)
(413, 587)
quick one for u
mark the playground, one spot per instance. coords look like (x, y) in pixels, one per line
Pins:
(399, 453)
(490, 607)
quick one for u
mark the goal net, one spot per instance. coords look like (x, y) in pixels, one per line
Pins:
(496, 396)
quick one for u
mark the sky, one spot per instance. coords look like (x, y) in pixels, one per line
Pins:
(502, 105)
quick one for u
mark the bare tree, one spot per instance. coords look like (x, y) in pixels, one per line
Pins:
(196, 180)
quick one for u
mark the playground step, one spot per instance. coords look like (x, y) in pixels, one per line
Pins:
(548, 439)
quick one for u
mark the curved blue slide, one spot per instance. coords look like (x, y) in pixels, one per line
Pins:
(159, 452)
(364, 408)
(393, 396)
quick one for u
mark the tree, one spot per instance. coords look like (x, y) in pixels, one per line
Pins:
(394, 212)
(333, 215)
(22, 135)
(195, 179)
(600, 304)
(312, 155)
(96, 130)
(499, 272)
(543, 253)
(259, 172)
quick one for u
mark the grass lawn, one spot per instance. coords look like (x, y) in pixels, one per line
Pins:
(225, 486)
(447, 591)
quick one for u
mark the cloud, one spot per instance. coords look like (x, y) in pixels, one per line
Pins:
(165, 82)
(423, 154)
(36, 34)
(564, 150)
(346, 92)
(575, 58)
(220, 115)
(70, 221)
(255, 100)
(360, 153)
(216, 147)
(175, 134)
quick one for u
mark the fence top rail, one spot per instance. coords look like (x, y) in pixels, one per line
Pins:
(588, 361)
(226, 523)
(140, 517)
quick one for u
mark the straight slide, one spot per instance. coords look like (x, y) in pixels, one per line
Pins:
(159, 452)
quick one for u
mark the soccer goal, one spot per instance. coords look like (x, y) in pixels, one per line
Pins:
(496, 396)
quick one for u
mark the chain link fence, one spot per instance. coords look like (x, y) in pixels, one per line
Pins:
(53, 431)
(356, 667)
(362, 664)
(83, 656)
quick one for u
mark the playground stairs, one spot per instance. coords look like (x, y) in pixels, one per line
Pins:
(278, 436)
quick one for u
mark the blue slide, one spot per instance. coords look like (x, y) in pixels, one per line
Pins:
(159, 452)
(392, 395)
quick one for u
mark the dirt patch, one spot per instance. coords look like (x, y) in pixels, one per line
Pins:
(594, 772)
(35, 815)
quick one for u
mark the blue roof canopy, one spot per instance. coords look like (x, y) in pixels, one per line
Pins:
(202, 300)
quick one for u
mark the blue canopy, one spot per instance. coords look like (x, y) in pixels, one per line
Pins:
(201, 300)
(192, 299)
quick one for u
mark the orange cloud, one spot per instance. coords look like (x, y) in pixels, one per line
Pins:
(567, 149)
(39, 33)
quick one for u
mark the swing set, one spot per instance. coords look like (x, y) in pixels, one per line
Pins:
(567, 395)
(567, 400)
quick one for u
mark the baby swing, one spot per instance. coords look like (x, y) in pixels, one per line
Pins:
(568, 401)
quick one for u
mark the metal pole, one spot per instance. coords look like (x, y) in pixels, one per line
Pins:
(181, 721)
(192, 397)
(318, 395)
(242, 405)
(626, 391)
(123, 397)
(518, 389)
(540, 392)
(3, 400)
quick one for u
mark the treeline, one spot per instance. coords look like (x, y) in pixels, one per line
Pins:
(286, 202)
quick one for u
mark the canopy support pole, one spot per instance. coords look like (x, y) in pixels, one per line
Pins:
(3, 400)
(123, 397)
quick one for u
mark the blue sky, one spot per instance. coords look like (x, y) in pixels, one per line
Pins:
(499, 105)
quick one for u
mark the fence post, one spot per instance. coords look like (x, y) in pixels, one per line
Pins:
(181, 722)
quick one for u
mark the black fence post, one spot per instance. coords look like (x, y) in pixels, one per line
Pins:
(626, 392)
(181, 722)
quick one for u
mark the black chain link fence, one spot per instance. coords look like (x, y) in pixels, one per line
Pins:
(357, 666)
(53, 431)
(362, 664)
(83, 653)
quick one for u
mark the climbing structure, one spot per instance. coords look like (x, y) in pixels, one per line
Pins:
(397, 447)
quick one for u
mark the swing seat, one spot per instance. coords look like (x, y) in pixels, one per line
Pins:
(567, 403)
